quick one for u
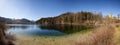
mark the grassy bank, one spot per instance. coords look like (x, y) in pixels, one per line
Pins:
(105, 35)
(99, 36)
(117, 36)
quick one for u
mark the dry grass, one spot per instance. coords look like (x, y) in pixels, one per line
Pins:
(117, 36)
(43, 41)
(99, 36)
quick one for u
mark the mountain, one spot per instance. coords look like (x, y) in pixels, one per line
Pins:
(16, 21)
(22, 21)
(79, 18)
(7, 20)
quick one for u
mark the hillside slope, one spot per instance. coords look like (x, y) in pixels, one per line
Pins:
(80, 18)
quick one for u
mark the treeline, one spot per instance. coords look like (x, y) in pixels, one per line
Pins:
(79, 18)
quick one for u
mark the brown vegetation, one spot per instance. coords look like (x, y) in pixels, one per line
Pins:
(4, 39)
(99, 36)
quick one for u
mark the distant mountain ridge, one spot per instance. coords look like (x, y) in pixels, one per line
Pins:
(16, 21)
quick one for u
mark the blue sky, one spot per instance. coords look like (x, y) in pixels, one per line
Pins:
(36, 9)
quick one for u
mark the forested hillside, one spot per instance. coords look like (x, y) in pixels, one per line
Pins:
(79, 18)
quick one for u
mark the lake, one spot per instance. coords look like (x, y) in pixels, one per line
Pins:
(43, 30)
(32, 29)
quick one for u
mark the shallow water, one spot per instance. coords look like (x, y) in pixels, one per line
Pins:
(32, 29)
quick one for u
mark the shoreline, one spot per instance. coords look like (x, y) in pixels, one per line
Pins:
(48, 40)
(91, 37)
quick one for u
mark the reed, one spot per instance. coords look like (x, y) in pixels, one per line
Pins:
(99, 36)
(5, 39)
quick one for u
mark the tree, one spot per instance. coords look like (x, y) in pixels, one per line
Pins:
(79, 18)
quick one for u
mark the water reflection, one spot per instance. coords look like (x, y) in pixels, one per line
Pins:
(22, 27)
(64, 28)
(45, 30)
(17, 26)
(32, 29)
